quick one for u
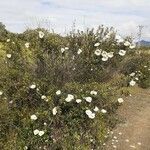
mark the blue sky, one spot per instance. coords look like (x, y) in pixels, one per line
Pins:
(124, 15)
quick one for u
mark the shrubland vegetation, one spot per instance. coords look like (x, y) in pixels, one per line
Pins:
(61, 93)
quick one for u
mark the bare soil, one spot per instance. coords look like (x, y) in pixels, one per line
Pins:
(134, 133)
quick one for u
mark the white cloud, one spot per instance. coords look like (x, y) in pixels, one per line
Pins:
(125, 15)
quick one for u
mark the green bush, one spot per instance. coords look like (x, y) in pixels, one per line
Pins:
(33, 69)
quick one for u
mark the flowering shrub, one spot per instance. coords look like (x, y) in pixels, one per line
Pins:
(62, 92)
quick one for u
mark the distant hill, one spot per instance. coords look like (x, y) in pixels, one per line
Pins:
(144, 43)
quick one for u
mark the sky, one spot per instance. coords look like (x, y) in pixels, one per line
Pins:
(124, 15)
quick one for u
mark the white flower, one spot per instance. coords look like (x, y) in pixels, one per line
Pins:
(27, 45)
(122, 52)
(103, 111)
(54, 110)
(8, 40)
(139, 143)
(41, 133)
(66, 48)
(137, 78)
(93, 92)
(132, 74)
(110, 54)
(78, 100)
(90, 114)
(62, 50)
(33, 86)
(33, 117)
(43, 97)
(120, 100)
(127, 43)
(104, 58)
(104, 53)
(8, 55)
(96, 109)
(69, 98)
(88, 99)
(58, 92)
(79, 51)
(132, 46)
(1, 93)
(132, 83)
(98, 52)
(41, 34)
(36, 132)
(96, 44)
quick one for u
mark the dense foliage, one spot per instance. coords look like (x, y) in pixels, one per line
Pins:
(62, 92)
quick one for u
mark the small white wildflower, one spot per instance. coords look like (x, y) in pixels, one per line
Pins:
(127, 43)
(122, 52)
(132, 83)
(69, 98)
(137, 78)
(41, 34)
(88, 99)
(88, 112)
(92, 116)
(27, 45)
(139, 143)
(96, 109)
(43, 97)
(66, 48)
(93, 92)
(33, 117)
(36, 132)
(1, 93)
(8, 40)
(127, 140)
(96, 44)
(120, 100)
(62, 50)
(104, 54)
(132, 46)
(41, 133)
(132, 74)
(8, 55)
(58, 92)
(33, 86)
(26, 147)
(104, 58)
(103, 111)
(110, 54)
(79, 51)
(54, 110)
(78, 100)
(98, 52)
(120, 133)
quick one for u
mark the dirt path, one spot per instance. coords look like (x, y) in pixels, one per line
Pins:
(135, 132)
